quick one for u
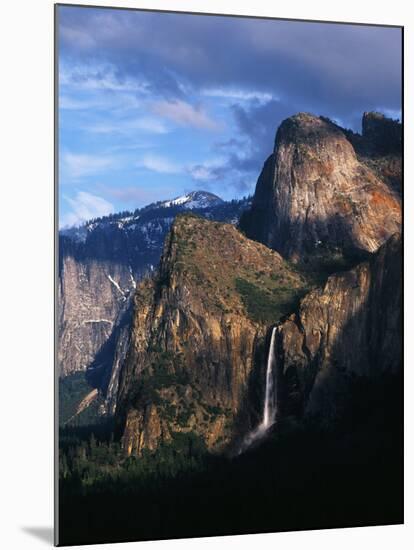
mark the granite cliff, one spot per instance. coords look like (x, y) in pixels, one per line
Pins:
(316, 198)
(180, 346)
(202, 326)
(349, 329)
(100, 263)
(380, 148)
(196, 330)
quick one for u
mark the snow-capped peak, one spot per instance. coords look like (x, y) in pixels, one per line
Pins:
(195, 199)
(129, 220)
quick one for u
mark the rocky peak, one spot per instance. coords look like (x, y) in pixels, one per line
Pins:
(309, 129)
(315, 197)
(195, 200)
(382, 135)
(195, 331)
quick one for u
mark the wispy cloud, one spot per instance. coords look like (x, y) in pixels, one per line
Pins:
(99, 77)
(207, 171)
(71, 103)
(185, 114)
(73, 98)
(83, 207)
(128, 126)
(234, 94)
(333, 67)
(159, 164)
(75, 166)
(134, 196)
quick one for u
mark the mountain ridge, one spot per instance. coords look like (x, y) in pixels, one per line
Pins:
(192, 200)
(99, 271)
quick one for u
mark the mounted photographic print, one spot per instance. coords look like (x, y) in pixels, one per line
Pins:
(229, 275)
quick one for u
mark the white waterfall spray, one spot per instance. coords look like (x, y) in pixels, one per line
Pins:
(269, 410)
(269, 407)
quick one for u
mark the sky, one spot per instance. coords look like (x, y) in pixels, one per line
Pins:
(154, 105)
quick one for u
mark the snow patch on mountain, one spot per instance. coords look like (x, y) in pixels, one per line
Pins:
(116, 285)
(195, 199)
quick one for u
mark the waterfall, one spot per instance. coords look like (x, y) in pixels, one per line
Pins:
(269, 402)
(269, 406)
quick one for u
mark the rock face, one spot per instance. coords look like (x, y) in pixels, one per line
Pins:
(179, 347)
(195, 330)
(381, 135)
(380, 148)
(201, 328)
(99, 264)
(92, 295)
(350, 328)
(315, 195)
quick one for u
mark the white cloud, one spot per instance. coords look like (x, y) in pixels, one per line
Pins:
(72, 104)
(201, 173)
(75, 166)
(74, 98)
(146, 124)
(238, 94)
(85, 206)
(98, 77)
(185, 114)
(208, 171)
(135, 195)
(159, 164)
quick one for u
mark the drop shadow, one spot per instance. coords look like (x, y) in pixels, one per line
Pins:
(45, 534)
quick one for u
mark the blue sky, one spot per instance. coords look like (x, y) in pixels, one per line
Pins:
(153, 105)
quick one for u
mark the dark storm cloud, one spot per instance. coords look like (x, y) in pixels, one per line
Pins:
(259, 122)
(335, 70)
(246, 153)
(339, 68)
